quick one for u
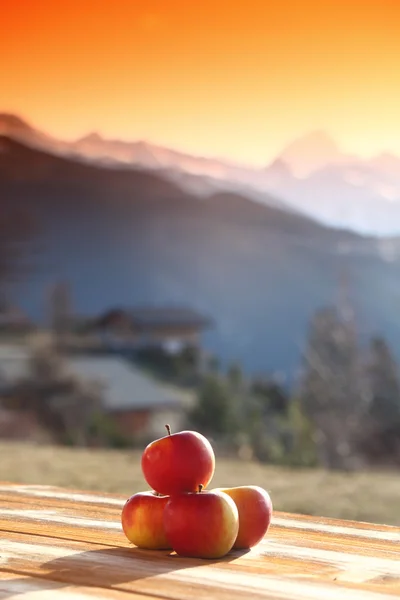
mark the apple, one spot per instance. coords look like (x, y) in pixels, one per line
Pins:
(201, 524)
(142, 520)
(178, 463)
(255, 512)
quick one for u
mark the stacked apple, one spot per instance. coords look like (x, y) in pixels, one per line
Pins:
(181, 514)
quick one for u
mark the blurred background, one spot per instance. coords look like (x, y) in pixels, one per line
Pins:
(200, 226)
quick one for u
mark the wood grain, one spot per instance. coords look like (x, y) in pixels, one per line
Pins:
(56, 543)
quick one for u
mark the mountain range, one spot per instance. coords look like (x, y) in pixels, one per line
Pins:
(133, 236)
(312, 175)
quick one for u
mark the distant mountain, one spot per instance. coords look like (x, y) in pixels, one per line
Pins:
(203, 185)
(312, 152)
(197, 175)
(94, 146)
(21, 131)
(152, 156)
(312, 175)
(356, 195)
(339, 189)
(129, 236)
(386, 163)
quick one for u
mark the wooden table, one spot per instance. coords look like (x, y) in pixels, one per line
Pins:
(57, 544)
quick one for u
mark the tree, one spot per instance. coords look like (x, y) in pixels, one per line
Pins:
(384, 381)
(266, 420)
(334, 391)
(235, 376)
(301, 448)
(271, 395)
(383, 420)
(214, 412)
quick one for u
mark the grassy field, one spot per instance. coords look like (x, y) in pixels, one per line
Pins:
(364, 496)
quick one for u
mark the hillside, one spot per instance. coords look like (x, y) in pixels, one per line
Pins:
(314, 491)
(126, 236)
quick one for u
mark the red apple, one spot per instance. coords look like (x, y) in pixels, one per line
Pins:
(201, 525)
(142, 520)
(255, 511)
(178, 463)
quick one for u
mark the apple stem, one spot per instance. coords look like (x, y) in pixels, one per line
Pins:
(168, 428)
(201, 488)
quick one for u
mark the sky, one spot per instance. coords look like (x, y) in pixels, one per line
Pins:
(235, 79)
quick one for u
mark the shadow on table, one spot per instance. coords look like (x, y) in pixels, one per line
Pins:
(107, 568)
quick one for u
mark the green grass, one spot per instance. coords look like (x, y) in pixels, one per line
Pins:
(364, 496)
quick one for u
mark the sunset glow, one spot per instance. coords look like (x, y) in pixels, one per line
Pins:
(229, 78)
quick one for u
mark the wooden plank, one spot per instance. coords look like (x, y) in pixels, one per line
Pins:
(51, 496)
(16, 547)
(75, 539)
(159, 575)
(35, 588)
(78, 521)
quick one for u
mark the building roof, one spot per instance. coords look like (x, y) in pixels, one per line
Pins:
(125, 387)
(13, 363)
(161, 316)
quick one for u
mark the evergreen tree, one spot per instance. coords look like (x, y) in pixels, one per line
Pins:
(384, 381)
(214, 413)
(270, 395)
(383, 423)
(333, 391)
(235, 376)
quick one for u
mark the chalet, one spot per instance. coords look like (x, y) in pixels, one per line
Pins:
(139, 405)
(171, 329)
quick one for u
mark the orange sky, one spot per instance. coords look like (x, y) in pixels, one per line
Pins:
(218, 77)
